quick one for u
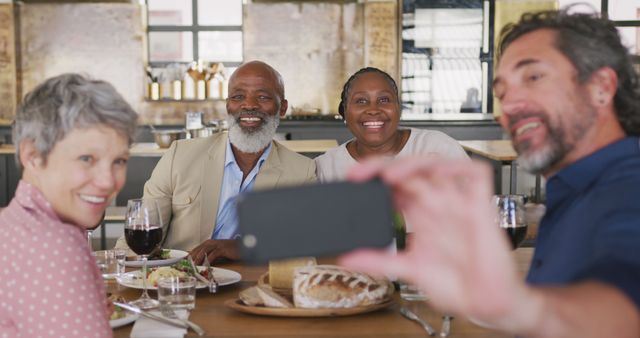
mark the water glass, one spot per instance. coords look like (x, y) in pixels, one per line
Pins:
(121, 256)
(410, 292)
(177, 292)
(107, 263)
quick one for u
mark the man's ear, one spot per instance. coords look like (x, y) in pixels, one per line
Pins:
(603, 85)
(30, 157)
(283, 107)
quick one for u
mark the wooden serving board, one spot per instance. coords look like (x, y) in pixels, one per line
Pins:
(237, 305)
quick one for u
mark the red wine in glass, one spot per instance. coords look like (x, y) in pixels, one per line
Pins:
(143, 233)
(510, 217)
(516, 235)
(143, 240)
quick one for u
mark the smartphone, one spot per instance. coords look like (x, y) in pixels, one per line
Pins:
(314, 220)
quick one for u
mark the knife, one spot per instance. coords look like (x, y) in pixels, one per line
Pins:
(195, 270)
(134, 309)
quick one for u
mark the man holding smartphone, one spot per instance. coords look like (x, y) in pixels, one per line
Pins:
(571, 102)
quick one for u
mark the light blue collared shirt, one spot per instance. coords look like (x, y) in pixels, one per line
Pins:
(232, 185)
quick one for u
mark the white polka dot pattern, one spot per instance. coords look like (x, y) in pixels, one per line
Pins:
(49, 283)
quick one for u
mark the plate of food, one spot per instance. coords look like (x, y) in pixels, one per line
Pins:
(120, 317)
(165, 257)
(316, 291)
(126, 318)
(133, 279)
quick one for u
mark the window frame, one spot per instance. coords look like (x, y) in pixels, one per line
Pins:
(195, 29)
(604, 12)
(485, 56)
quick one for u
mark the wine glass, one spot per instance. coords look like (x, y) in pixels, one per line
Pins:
(143, 232)
(511, 217)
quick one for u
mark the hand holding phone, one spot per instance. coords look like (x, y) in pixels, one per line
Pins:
(314, 220)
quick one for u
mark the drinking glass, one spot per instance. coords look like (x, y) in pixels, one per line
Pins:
(121, 256)
(177, 292)
(411, 293)
(143, 232)
(107, 263)
(511, 217)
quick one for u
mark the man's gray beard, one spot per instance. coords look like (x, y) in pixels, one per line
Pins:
(558, 144)
(252, 140)
(538, 161)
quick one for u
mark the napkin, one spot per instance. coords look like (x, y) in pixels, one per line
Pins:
(149, 328)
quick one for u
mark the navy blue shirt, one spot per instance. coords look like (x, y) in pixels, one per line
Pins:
(591, 230)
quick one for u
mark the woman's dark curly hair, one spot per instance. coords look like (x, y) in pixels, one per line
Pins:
(590, 43)
(342, 107)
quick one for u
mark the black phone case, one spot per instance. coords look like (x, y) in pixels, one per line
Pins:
(314, 220)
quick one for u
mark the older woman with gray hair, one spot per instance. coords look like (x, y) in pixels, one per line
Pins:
(72, 138)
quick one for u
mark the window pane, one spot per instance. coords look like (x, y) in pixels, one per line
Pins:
(595, 5)
(170, 13)
(456, 84)
(441, 68)
(624, 10)
(629, 37)
(220, 46)
(220, 12)
(447, 27)
(170, 46)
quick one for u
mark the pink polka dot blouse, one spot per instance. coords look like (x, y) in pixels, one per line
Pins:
(50, 285)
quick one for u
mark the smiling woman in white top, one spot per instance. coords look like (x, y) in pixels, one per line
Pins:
(371, 109)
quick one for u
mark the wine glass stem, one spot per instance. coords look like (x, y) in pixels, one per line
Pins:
(145, 295)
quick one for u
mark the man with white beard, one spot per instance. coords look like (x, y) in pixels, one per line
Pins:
(203, 176)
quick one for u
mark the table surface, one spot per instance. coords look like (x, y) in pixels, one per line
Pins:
(498, 150)
(152, 149)
(220, 321)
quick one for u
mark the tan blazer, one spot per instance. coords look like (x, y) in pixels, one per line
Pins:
(190, 174)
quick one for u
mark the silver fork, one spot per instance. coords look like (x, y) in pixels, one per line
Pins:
(412, 316)
(167, 311)
(213, 283)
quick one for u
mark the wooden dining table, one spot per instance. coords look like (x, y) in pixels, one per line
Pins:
(220, 321)
(500, 151)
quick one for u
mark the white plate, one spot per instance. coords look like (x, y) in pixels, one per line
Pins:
(223, 277)
(128, 318)
(175, 256)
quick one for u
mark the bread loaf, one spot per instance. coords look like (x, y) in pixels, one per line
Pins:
(281, 271)
(329, 286)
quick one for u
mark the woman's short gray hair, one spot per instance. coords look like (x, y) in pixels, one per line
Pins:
(68, 101)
